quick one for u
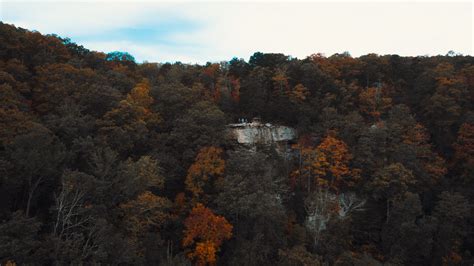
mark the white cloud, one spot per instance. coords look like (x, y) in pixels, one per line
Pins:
(73, 18)
(240, 29)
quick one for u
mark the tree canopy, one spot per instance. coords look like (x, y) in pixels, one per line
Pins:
(104, 160)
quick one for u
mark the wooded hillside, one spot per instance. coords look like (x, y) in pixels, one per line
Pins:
(105, 160)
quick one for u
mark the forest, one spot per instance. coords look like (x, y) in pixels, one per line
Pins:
(104, 160)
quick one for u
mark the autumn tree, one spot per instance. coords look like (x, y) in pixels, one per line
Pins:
(299, 94)
(15, 122)
(333, 163)
(59, 82)
(303, 174)
(139, 101)
(132, 178)
(128, 125)
(326, 66)
(327, 164)
(432, 167)
(373, 102)
(139, 96)
(446, 105)
(408, 142)
(206, 232)
(205, 174)
(43, 50)
(348, 67)
(143, 215)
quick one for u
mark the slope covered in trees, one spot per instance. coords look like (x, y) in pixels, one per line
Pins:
(104, 160)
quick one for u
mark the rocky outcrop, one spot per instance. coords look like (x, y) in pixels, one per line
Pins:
(258, 133)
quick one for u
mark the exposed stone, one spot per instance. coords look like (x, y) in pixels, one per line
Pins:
(257, 133)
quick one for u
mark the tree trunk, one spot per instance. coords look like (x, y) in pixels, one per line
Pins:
(28, 204)
(31, 192)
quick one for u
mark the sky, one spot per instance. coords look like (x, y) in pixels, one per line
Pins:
(200, 31)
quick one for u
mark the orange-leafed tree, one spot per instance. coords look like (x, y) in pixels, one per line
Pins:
(56, 82)
(432, 165)
(205, 232)
(140, 95)
(332, 164)
(373, 102)
(299, 93)
(132, 121)
(135, 107)
(205, 174)
(179, 204)
(444, 108)
(140, 100)
(327, 165)
(302, 175)
(325, 65)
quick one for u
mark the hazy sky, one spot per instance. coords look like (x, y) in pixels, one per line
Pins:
(196, 32)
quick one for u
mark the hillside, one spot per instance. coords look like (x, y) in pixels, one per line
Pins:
(106, 160)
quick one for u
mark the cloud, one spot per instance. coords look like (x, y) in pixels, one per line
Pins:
(212, 31)
(74, 18)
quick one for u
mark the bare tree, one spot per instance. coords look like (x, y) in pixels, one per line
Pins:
(322, 205)
(349, 203)
(74, 227)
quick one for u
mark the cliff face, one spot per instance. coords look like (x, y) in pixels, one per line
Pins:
(256, 133)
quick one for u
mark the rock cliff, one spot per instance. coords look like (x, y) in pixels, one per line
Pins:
(258, 133)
